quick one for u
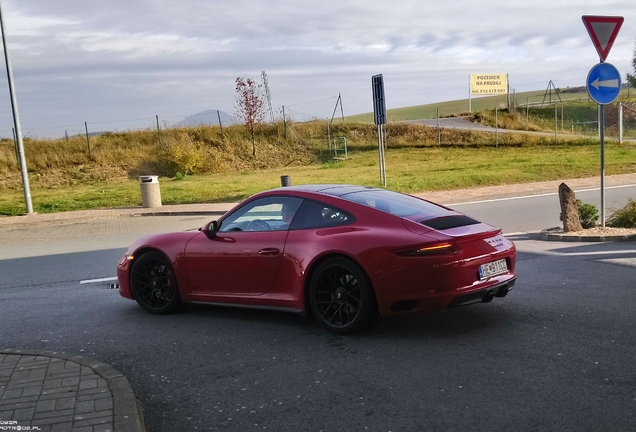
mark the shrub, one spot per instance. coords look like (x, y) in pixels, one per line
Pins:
(625, 217)
(588, 214)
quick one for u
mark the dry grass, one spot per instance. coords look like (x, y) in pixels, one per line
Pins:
(221, 168)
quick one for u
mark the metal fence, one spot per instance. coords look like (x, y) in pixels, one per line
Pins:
(301, 112)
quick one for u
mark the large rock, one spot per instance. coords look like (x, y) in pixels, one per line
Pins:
(569, 209)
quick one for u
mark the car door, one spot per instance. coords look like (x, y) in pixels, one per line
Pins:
(244, 256)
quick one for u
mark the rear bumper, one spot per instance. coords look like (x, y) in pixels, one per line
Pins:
(485, 295)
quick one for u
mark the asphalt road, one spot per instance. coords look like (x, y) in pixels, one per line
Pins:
(557, 354)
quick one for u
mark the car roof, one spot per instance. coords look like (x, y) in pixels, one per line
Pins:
(330, 189)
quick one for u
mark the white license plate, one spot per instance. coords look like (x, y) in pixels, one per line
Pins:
(492, 269)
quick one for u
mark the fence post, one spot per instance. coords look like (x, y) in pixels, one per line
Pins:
(88, 141)
(284, 123)
(527, 112)
(218, 114)
(158, 130)
(556, 121)
(496, 127)
(620, 122)
(439, 131)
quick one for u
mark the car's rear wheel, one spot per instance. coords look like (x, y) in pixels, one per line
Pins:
(341, 296)
(154, 285)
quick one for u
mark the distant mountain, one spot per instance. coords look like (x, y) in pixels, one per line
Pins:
(208, 117)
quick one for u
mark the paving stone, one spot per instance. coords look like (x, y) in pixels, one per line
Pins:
(12, 394)
(52, 420)
(70, 381)
(23, 414)
(65, 403)
(95, 396)
(83, 429)
(32, 390)
(85, 407)
(6, 415)
(46, 405)
(52, 384)
(68, 413)
(93, 415)
(107, 427)
(62, 427)
(94, 421)
(104, 404)
(88, 384)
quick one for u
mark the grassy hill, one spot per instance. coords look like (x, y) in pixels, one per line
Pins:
(458, 107)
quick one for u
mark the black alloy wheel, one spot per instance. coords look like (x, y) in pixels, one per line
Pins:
(154, 285)
(341, 297)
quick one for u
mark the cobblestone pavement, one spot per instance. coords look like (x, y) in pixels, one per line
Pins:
(48, 392)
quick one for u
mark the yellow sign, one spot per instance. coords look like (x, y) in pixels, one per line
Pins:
(488, 84)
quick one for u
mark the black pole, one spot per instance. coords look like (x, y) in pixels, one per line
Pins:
(284, 123)
(88, 141)
(218, 114)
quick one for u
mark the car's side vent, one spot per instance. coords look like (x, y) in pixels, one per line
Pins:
(449, 222)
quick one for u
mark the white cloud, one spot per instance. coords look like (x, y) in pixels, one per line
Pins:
(86, 60)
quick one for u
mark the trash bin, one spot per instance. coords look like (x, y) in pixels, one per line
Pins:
(150, 192)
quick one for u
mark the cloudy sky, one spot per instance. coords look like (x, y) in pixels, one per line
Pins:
(113, 62)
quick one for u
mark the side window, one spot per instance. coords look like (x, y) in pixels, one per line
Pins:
(313, 214)
(263, 214)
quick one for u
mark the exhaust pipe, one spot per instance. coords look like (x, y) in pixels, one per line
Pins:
(488, 297)
(503, 291)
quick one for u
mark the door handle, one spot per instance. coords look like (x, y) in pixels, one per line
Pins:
(269, 251)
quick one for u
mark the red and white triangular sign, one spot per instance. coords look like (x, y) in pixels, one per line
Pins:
(603, 31)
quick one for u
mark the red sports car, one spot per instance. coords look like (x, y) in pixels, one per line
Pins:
(343, 254)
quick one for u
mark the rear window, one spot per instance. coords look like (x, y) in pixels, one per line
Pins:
(397, 204)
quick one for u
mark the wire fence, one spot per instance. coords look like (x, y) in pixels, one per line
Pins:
(563, 113)
(301, 112)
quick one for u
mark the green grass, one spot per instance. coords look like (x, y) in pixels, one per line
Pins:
(409, 169)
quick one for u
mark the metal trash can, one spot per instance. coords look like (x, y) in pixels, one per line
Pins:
(150, 192)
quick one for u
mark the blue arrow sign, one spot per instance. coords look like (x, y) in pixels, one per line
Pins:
(603, 83)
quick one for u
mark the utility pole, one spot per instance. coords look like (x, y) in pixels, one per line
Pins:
(16, 122)
(268, 95)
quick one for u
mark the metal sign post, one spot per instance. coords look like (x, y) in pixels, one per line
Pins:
(379, 116)
(604, 81)
(16, 120)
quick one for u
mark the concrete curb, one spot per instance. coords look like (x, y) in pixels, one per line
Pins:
(549, 236)
(127, 410)
(70, 218)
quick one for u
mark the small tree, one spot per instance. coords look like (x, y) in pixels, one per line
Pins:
(631, 79)
(250, 106)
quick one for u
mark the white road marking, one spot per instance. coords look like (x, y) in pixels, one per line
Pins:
(108, 279)
(534, 196)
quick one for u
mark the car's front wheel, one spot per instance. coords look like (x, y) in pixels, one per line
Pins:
(154, 285)
(341, 296)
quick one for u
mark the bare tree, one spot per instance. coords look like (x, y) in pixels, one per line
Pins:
(250, 106)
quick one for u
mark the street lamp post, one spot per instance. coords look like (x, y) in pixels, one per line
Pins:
(16, 121)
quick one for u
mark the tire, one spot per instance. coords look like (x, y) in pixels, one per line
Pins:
(341, 296)
(154, 284)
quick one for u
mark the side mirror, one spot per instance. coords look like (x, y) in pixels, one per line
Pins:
(211, 229)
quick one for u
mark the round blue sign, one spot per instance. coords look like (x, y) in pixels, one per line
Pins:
(603, 83)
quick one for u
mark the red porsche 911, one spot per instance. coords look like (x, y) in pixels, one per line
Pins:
(346, 255)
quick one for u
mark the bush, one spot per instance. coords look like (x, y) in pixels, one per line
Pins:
(625, 217)
(588, 214)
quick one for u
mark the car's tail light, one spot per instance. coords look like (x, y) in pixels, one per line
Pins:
(431, 249)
